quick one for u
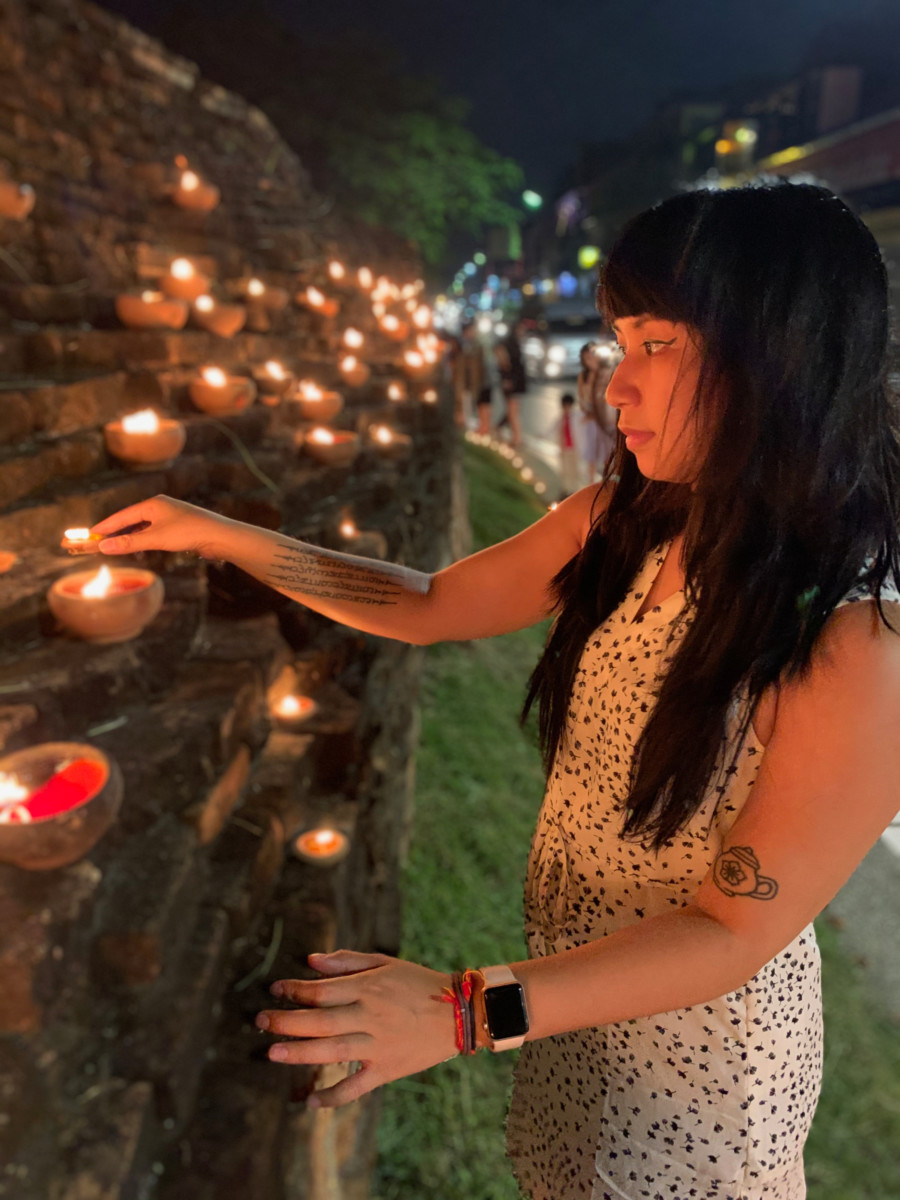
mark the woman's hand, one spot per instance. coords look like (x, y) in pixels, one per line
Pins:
(172, 525)
(385, 1014)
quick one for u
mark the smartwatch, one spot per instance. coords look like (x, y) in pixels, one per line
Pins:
(503, 1003)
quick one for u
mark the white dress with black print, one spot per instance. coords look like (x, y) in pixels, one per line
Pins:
(711, 1101)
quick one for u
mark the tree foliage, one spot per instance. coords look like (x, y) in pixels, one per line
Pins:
(389, 147)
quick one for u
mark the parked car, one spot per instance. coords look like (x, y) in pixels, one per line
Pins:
(552, 350)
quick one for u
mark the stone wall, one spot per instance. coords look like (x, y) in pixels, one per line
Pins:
(129, 1065)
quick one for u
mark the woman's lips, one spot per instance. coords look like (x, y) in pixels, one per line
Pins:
(636, 437)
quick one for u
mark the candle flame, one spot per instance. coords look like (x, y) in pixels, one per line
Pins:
(12, 794)
(324, 437)
(182, 268)
(321, 843)
(315, 297)
(429, 356)
(408, 290)
(430, 397)
(395, 392)
(145, 421)
(364, 275)
(151, 297)
(77, 535)
(348, 529)
(353, 337)
(99, 586)
(190, 181)
(294, 706)
(205, 303)
(378, 309)
(390, 322)
(214, 376)
(348, 363)
(256, 287)
(336, 269)
(382, 434)
(310, 391)
(413, 358)
(275, 369)
(422, 317)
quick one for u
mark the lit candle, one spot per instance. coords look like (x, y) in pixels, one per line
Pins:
(332, 448)
(368, 543)
(256, 288)
(430, 395)
(144, 440)
(391, 443)
(225, 320)
(110, 605)
(273, 379)
(217, 393)
(315, 300)
(316, 404)
(193, 193)
(415, 365)
(397, 391)
(392, 327)
(422, 317)
(336, 270)
(365, 278)
(353, 371)
(16, 199)
(274, 299)
(151, 310)
(184, 281)
(292, 711)
(322, 847)
(56, 801)
(353, 338)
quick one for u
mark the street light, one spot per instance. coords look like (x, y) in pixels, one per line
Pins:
(531, 199)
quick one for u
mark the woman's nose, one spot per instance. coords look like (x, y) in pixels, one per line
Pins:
(619, 392)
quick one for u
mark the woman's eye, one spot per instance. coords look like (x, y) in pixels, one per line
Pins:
(652, 348)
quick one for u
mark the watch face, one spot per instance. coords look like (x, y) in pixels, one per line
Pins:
(504, 1009)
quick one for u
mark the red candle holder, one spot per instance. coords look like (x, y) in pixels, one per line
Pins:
(56, 801)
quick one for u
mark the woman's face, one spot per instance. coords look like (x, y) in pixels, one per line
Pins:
(653, 388)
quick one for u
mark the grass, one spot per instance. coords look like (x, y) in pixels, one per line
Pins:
(478, 793)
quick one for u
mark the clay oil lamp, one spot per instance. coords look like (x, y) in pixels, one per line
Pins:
(82, 541)
(415, 365)
(225, 320)
(353, 339)
(367, 543)
(365, 279)
(354, 372)
(321, 847)
(191, 192)
(16, 199)
(151, 310)
(337, 270)
(219, 394)
(393, 328)
(56, 801)
(274, 299)
(292, 711)
(331, 447)
(273, 379)
(389, 442)
(318, 302)
(397, 391)
(110, 605)
(144, 440)
(184, 281)
(315, 403)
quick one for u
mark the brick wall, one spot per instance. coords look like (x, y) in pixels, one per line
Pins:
(129, 1066)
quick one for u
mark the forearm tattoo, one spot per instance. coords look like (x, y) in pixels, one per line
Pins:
(327, 575)
(736, 873)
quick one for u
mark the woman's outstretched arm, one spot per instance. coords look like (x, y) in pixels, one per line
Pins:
(502, 588)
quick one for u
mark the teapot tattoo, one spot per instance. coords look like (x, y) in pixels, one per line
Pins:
(736, 873)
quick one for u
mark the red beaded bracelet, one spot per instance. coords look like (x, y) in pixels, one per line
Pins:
(459, 994)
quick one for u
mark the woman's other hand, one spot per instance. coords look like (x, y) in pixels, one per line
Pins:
(383, 1013)
(171, 525)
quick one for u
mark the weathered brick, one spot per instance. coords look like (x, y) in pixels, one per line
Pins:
(84, 404)
(73, 458)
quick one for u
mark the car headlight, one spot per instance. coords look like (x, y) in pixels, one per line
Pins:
(557, 354)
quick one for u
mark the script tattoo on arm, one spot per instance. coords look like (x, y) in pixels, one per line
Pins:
(328, 575)
(736, 873)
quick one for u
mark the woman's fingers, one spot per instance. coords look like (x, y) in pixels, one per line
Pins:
(351, 1047)
(311, 1022)
(352, 1088)
(317, 993)
(346, 962)
(132, 515)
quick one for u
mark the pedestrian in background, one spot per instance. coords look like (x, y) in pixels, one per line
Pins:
(565, 433)
(598, 420)
(469, 375)
(513, 380)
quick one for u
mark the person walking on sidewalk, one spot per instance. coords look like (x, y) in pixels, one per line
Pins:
(513, 380)
(718, 701)
(469, 376)
(598, 428)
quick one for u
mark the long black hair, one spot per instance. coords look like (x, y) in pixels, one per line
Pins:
(798, 496)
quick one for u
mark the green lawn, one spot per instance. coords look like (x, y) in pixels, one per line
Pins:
(478, 793)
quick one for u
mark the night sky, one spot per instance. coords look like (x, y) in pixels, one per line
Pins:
(544, 75)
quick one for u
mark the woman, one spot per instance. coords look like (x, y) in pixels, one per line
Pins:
(718, 704)
(513, 380)
(598, 419)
